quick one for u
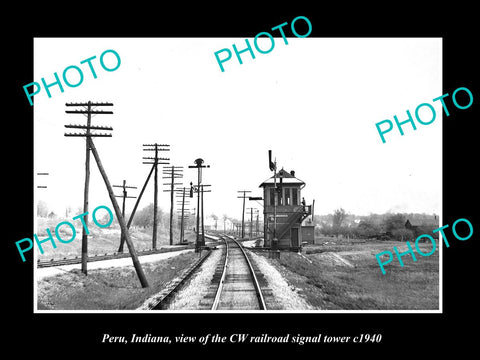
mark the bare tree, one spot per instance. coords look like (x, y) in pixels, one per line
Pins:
(68, 210)
(394, 222)
(225, 218)
(215, 217)
(42, 209)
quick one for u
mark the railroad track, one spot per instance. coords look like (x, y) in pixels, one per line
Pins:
(238, 287)
(234, 284)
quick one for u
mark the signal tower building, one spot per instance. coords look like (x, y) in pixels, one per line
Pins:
(282, 197)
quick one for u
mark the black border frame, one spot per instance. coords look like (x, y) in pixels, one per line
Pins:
(405, 333)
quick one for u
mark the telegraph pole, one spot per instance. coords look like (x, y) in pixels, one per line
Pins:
(199, 166)
(88, 109)
(256, 198)
(202, 191)
(173, 172)
(155, 161)
(182, 214)
(91, 147)
(251, 222)
(243, 211)
(124, 196)
(141, 192)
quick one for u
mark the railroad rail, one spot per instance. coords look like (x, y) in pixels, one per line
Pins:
(78, 260)
(238, 287)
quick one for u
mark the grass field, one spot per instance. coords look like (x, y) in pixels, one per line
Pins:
(338, 274)
(100, 241)
(343, 275)
(104, 289)
(108, 289)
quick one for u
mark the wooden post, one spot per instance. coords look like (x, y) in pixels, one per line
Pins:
(155, 197)
(139, 197)
(251, 223)
(243, 209)
(171, 205)
(121, 220)
(243, 217)
(203, 219)
(85, 194)
(120, 249)
(122, 235)
(182, 232)
(155, 161)
(197, 243)
(172, 173)
(124, 196)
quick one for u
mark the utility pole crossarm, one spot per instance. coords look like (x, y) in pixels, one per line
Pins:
(87, 135)
(75, 126)
(90, 104)
(88, 112)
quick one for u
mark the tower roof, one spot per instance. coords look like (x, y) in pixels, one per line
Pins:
(287, 178)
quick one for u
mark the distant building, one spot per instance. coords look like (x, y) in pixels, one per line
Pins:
(210, 223)
(410, 226)
(426, 226)
(218, 224)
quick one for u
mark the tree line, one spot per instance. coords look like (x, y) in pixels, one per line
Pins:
(143, 217)
(375, 226)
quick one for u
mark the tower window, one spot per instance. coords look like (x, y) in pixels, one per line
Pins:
(287, 196)
(272, 196)
(294, 196)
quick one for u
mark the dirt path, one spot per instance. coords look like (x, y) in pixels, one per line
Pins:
(284, 296)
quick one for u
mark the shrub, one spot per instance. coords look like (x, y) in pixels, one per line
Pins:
(403, 234)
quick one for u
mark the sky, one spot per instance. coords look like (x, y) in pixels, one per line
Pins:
(313, 102)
